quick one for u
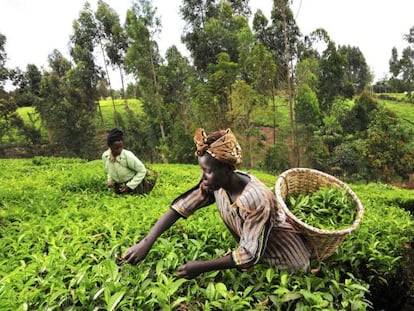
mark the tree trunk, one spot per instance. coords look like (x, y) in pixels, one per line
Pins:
(289, 87)
(109, 84)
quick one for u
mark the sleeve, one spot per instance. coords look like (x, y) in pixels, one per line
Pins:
(255, 209)
(105, 156)
(192, 200)
(137, 166)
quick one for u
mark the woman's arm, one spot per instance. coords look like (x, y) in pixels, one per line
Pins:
(138, 167)
(139, 251)
(193, 269)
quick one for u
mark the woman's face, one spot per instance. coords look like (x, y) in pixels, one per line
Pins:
(116, 147)
(215, 174)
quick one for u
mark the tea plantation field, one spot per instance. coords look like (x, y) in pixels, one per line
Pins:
(61, 232)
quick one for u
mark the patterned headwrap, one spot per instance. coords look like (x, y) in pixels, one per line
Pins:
(224, 149)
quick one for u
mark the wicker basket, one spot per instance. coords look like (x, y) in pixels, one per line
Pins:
(306, 181)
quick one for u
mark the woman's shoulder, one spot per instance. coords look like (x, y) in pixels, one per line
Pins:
(255, 194)
(127, 153)
(253, 183)
(106, 154)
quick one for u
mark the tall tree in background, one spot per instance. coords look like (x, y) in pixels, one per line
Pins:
(80, 86)
(113, 41)
(212, 28)
(4, 73)
(307, 72)
(144, 62)
(394, 64)
(332, 76)
(245, 102)
(262, 73)
(52, 96)
(195, 14)
(357, 74)
(27, 85)
(402, 68)
(13, 130)
(213, 96)
(407, 68)
(105, 18)
(177, 77)
(6, 109)
(281, 37)
(307, 118)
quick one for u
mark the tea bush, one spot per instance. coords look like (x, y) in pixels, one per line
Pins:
(62, 231)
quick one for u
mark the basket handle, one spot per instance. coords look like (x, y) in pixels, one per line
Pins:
(285, 180)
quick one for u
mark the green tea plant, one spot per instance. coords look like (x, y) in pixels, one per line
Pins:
(326, 208)
(62, 234)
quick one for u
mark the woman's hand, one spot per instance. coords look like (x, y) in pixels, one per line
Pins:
(192, 269)
(138, 252)
(124, 189)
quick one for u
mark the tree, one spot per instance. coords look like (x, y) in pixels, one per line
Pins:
(262, 73)
(262, 70)
(281, 37)
(69, 95)
(4, 73)
(52, 95)
(357, 120)
(394, 63)
(388, 148)
(113, 42)
(27, 86)
(357, 74)
(307, 117)
(213, 96)
(144, 62)
(402, 69)
(331, 76)
(212, 28)
(244, 104)
(307, 73)
(307, 112)
(407, 69)
(177, 76)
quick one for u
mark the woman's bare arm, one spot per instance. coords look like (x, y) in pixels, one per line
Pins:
(139, 251)
(193, 269)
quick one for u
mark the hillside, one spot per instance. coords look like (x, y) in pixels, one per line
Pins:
(395, 102)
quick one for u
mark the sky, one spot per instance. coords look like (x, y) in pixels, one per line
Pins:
(33, 29)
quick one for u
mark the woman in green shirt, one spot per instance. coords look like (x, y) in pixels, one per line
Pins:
(125, 172)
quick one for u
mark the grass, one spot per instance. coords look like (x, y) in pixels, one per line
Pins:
(403, 110)
(29, 116)
(107, 108)
(107, 121)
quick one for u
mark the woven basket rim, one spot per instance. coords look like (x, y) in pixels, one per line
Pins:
(332, 179)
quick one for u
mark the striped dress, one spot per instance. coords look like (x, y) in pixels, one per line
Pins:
(254, 220)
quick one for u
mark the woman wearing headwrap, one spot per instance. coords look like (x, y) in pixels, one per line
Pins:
(125, 172)
(245, 204)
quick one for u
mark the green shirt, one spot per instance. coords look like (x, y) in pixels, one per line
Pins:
(126, 168)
